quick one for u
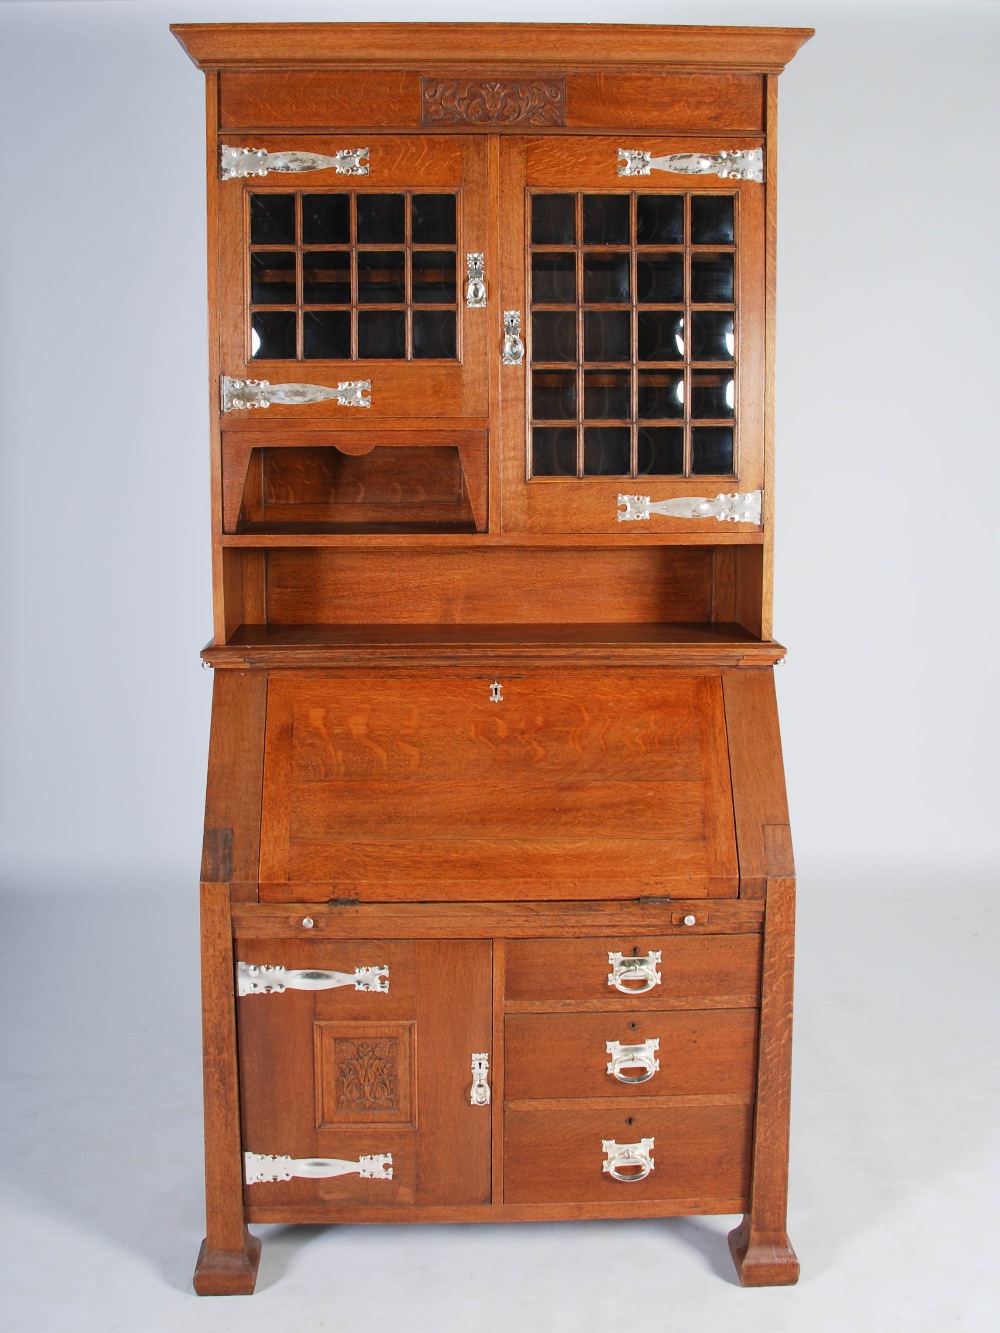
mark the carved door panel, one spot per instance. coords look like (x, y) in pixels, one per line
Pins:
(641, 300)
(353, 271)
(367, 1092)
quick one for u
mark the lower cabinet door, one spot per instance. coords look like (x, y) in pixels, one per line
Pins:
(356, 1078)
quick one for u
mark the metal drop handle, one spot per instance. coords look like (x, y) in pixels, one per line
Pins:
(634, 974)
(479, 1094)
(641, 1056)
(513, 347)
(628, 1162)
(475, 291)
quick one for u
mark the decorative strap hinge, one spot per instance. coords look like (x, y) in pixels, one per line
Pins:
(737, 507)
(260, 1168)
(239, 162)
(241, 395)
(737, 164)
(259, 979)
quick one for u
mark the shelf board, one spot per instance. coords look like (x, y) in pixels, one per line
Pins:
(674, 645)
(430, 536)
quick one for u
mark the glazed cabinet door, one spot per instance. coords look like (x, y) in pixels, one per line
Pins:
(641, 303)
(357, 1078)
(348, 265)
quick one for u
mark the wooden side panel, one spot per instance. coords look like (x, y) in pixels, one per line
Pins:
(758, 775)
(341, 1073)
(710, 1051)
(235, 774)
(555, 1156)
(508, 586)
(423, 786)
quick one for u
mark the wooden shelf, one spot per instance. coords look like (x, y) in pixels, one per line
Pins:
(430, 536)
(681, 645)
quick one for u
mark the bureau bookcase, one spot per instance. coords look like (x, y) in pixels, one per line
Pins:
(497, 886)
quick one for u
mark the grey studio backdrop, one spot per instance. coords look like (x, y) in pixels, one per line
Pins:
(888, 494)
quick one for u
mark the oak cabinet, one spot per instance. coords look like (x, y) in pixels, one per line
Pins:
(497, 887)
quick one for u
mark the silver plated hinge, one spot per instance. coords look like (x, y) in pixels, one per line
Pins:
(641, 1056)
(737, 507)
(628, 1161)
(480, 1094)
(259, 979)
(738, 164)
(475, 291)
(262, 1168)
(242, 395)
(513, 347)
(236, 163)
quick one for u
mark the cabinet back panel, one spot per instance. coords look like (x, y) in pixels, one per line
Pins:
(512, 586)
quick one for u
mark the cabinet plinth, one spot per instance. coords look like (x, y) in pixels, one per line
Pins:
(497, 891)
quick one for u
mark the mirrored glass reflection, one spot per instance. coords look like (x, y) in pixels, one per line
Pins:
(659, 278)
(553, 395)
(661, 394)
(434, 276)
(382, 333)
(606, 451)
(608, 394)
(326, 219)
(272, 219)
(661, 335)
(553, 451)
(607, 335)
(326, 277)
(553, 336)
(711, 449)
(711, 278)
(606, 219)
(272, 277)
(660, 451)
(659, 219)
(381, 277)
(272, 335)
(553, 279)
(712, 335)
(381, 218)
(712, 393)
(553, 219)
(432, 219)
(434, 334)
(712, 219)
(326, 335)
(606, 278)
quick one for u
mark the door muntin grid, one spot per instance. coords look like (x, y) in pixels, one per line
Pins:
(348, 275)
(632, 334)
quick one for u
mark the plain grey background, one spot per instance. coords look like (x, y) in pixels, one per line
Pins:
(888, 494)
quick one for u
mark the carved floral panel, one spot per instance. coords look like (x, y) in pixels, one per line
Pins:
(493, 102)
(364, 1073)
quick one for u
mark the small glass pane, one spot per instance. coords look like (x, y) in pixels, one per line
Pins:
(607, 335)
(606, 219)
(711, 278)
(553, 279)
(434, 333)
(712, 393)
(553, 395)
(661, 335)
(711, 449)
(553, 219)
(326, 335)
(553, 335)
(660, 278)
(434, 276)
(712, 335)
(272, 219)
(272, 335)
(433, 219)
(272, 277)
(712, 219)
(381, 277)
(326, 277)
(381, 218)
(381, 333)
(553, 451)
(605, 278)
(661, 451)
(326, 219)
(659, 219)
(606, 451)
(607, 393)
(661, 394)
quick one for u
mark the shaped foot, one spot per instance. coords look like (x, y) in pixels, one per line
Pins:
(763, 1258)
(228, 1272)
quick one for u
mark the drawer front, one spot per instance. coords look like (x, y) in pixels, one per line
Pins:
(717, 971)
(700, 1155)
(336, 1074)
(566, 1055)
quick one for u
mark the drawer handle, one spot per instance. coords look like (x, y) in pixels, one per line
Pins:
(628, 1161)
(263, 1168)
(259, 979)
(480, 1093)
(641, 1056)
(627, 969)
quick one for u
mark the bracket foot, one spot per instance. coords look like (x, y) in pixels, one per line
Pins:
(228, 1272)
(763, 1258)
